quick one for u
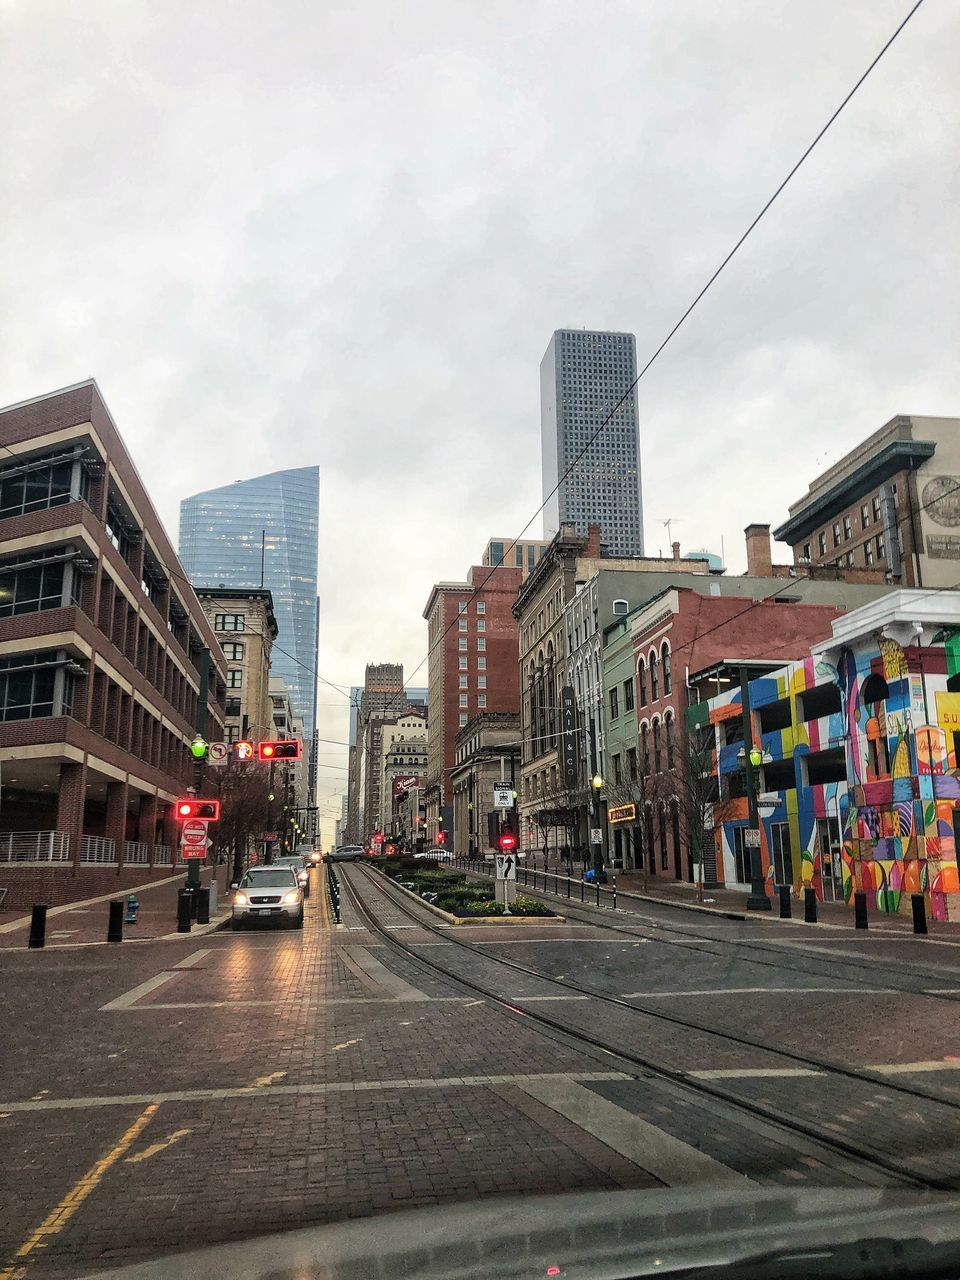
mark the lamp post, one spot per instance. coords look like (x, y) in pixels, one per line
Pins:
(752, 759)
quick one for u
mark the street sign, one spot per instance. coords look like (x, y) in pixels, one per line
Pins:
(502, 795)
(768, 799)
(269, 835)
(568, 723)
(194, 833)
(243, 749)
(596, 835)
(751, 838)
(506, 866)
(188, 851)
(217, 753)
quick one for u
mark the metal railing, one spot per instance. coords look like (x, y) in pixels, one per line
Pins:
(135, 851)
(98, 849)
(161, 855)
(34, 846)
(555, 882)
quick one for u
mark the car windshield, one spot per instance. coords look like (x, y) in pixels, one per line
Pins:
(268, 879)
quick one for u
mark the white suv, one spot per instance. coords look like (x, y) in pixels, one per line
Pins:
(268, 893)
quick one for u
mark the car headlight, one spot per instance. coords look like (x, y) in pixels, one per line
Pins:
(240, 899)
(292, 896)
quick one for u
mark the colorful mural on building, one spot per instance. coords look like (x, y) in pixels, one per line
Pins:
(861, 774)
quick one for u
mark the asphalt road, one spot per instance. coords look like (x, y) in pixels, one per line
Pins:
(163, 1095)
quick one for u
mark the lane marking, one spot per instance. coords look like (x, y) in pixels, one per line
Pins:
(272, 1078)
(738, 991)
(58, 1218)
(904, 1068)
(308, 1088)
(347, 1043)
(130, 998)
(754, 1073)
(370, 970)
(673, 1162)
(158, 1146)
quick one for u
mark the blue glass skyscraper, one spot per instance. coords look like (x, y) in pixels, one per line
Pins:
(264, 531)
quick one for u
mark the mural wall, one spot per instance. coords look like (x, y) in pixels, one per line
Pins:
(862, 780)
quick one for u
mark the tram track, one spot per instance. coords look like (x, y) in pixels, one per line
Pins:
(642, 1063)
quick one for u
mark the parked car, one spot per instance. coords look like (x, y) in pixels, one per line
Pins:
(437, 854)
(346, 853)
(300, 866)
(268, 893)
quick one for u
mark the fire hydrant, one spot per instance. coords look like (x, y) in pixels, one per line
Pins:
(133, 906)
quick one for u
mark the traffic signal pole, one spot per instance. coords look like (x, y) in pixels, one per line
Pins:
(193, 866)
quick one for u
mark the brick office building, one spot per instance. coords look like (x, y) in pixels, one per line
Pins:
(105, 656)
(473, 668)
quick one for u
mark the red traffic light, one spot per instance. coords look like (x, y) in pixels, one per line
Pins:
(507, 841)
(205, 810)
(291, 749)
(378, 837)
(441, 837)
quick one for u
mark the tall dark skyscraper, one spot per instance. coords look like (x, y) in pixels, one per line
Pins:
(268, 523)
(583, 374)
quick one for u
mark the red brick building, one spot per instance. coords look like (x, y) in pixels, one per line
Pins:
(473, 668)
(105, 656)
(688, 647)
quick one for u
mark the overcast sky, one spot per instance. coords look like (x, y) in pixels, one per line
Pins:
(294, 232)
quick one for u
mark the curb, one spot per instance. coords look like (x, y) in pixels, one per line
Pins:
(455, 920)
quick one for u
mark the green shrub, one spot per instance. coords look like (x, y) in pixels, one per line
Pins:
(523, 906)
(485, 907)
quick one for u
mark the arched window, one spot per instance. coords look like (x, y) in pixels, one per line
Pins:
(665, 663)
(644, 750)
(642, 682)
(873, 690)
(656, 746)
(654, 677)
(669, 727)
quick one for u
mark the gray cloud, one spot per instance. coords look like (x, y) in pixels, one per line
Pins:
(282, 233)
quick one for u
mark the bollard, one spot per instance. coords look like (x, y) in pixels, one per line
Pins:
(115, 921)
(614, 893)
(809, 905)
(38, 926)
(598, 893)
(203, 906)
(860, 910)
(555, 888)
(786, 909)
(184, 914)
(919, 912)
(568, 886)
(582, 883)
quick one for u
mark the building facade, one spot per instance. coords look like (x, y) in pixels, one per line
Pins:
(860, 782)
(244, 624)
(404, 755)
(515, 553)
(585, 376)
(108, 666)
(472, 639)
(263, 532)
(892, 503)
(487, 751)
(381, 701)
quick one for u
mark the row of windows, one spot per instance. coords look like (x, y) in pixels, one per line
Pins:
(28, 688)
(481, 682)
(481, 663)
(481, 624)
(481, 700)
(842, 530)
(481, 644)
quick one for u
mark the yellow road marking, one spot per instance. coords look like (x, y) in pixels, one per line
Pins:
(272, 1078)
(346, 1044)
(324, 913)
(56, 1220)
(158, 1146)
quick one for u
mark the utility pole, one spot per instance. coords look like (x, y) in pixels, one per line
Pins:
(758, 900)
(193, 866)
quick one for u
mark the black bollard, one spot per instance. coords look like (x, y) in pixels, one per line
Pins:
(786, 908)
(810, 905)
(203, 906)
(919, 913)
(183, 911)
(115, 921)
(38, 926)
(860, 910)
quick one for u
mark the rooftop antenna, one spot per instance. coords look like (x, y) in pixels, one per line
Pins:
(667, 523)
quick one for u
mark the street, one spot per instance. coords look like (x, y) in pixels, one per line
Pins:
(173, 1094)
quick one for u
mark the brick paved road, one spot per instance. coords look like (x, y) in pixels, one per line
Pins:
(187, 1092)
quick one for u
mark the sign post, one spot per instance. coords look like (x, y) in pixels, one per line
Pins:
(506, 884)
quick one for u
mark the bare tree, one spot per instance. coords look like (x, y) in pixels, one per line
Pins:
(244, 790)
(633, 790)
(693, 786)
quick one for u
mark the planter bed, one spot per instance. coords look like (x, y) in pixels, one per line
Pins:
(446, 888)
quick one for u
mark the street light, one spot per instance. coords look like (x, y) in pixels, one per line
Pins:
(597, 781)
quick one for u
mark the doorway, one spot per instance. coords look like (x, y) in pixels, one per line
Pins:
(780, 853)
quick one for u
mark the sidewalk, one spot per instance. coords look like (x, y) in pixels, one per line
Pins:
(683, 895)
(86, 922)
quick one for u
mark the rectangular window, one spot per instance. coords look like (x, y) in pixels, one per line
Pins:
(481, 644)
(836, 535)
(848, 560)
(876, 506)
(741, 856)
(463, 624)
(617, 770)
(232, 650)
(28, 590)
(481, 700)
(481, 624)
(867, 553)
(632, 763)
(482, 663)
(481, 682)
(614, 703)
(847, 529)
(822, 543)
(463, 719)
(463, 663)
(481, 606)
(775, 715)
(231, 733)
(463, 642)
(519, 555)
(229, 622)
(36, 488)
(822, 700)
(864, 515)
(234, 679)
(806, 551)
(232, 707)
(881, 547)
(463, 682)
(462, 606)
(463, 699)
(628, 695)
(27, 687)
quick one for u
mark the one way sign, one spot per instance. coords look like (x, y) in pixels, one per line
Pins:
(506, 866)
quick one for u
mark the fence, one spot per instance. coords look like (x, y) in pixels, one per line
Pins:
(98, 849)
(161, 855)
(136, 852)
(556, 882)
(34, 846)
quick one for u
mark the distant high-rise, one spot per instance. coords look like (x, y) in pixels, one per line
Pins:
(264, 531)
(583, 374)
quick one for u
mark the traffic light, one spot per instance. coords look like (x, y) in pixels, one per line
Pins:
(205, 810)
(441, 837)
(287, 750)
(507, 841)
